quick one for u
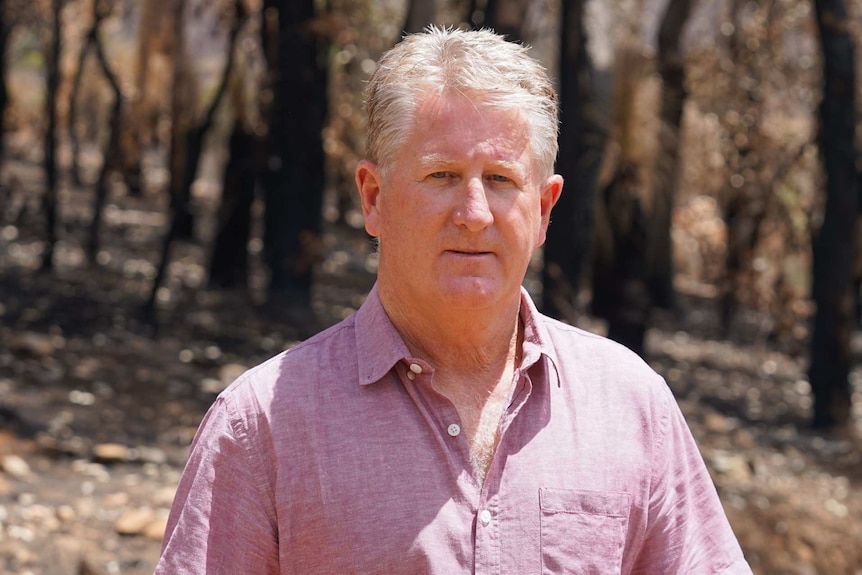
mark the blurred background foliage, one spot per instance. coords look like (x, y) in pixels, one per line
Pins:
(187, 146)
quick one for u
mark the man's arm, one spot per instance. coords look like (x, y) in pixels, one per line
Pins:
(222, 520)
(687, 531)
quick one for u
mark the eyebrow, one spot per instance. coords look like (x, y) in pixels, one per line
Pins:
(434, 159)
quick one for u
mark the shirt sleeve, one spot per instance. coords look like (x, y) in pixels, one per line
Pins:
(688, 531)
(222, 520)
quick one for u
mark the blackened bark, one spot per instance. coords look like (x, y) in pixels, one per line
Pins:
(187, 145)
(52, 72)
(4, 95)
(620, 264)
(194, 136)
(833, 246)
(229, 262)
(182, 220)
(744, 208)
(506, 17)
(582, 139)
(137, 125)
(674, 93)
(293, 179)
(489, 13)
(474, 15)
(73, 109)
(109, 156)
(420, 13)
(632, 265)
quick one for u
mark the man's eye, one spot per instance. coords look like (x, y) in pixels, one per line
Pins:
(440, 175)
(498, 178)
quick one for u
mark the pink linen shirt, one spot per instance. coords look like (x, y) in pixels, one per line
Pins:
(338, 457)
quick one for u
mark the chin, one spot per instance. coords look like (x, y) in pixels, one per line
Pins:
(472, 293)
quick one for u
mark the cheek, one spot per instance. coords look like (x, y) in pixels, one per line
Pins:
(401, 226)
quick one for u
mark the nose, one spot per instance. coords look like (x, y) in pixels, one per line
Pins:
(473, 210)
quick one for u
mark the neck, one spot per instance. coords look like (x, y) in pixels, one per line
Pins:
(477, 341)
(474, 353)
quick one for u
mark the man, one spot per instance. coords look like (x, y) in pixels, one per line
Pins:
(447, 427)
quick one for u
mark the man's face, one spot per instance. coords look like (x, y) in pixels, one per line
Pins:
(460, 207)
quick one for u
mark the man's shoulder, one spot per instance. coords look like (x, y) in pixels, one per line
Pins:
(328, 349)
(568, 338)
(339, 338)
(591, 358)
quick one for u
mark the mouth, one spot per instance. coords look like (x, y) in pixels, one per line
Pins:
(470, 253)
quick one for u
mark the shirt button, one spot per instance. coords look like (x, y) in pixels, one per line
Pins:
(485, 517)
(411, 376)
(454, 430)
(415, 368)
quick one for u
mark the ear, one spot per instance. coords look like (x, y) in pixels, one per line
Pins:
(368, 181)
(551, 191)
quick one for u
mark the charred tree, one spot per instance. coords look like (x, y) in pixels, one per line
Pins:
(475, 15)
(506, 17)
(138, 126)
(420, 13)
(620, 269)
(632, 266)
(744, 203)
(195, 135)
(136, 123)
(4, 95)
(52, 84)
(109, 155)
(183, 97)
(293, 175)
(229, 261)
(187, 145)
(75, 141)
(833, 245)
(673, 96)
(582, 139)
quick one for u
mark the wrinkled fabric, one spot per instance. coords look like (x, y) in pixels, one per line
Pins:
(337, 456)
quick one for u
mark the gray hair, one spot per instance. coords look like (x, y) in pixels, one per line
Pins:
(479, 64)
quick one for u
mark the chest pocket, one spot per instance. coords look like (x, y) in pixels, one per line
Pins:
(583, 532)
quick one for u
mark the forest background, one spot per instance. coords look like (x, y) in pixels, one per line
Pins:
(177, 203)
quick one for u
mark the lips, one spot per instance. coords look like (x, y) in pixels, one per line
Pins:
(470, 252)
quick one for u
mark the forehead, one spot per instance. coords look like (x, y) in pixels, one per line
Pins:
(453, 124)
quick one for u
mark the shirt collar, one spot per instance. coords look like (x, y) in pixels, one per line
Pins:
(378, 343)
(380, 347)
(537, 341)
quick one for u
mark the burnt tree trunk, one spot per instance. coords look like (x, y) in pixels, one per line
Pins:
(187, 143)
(4, 95)
(229, 262)
(180, 224)
(75, 141)
(632, 264)
(109, 156)
(670, 67)
(134, 131)
(293, 178)
(506, 17)
(833, 245)
(182, 220)
(420, 13)
(474, 15)
(582, 139)
(52, 83)
(620, 264)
